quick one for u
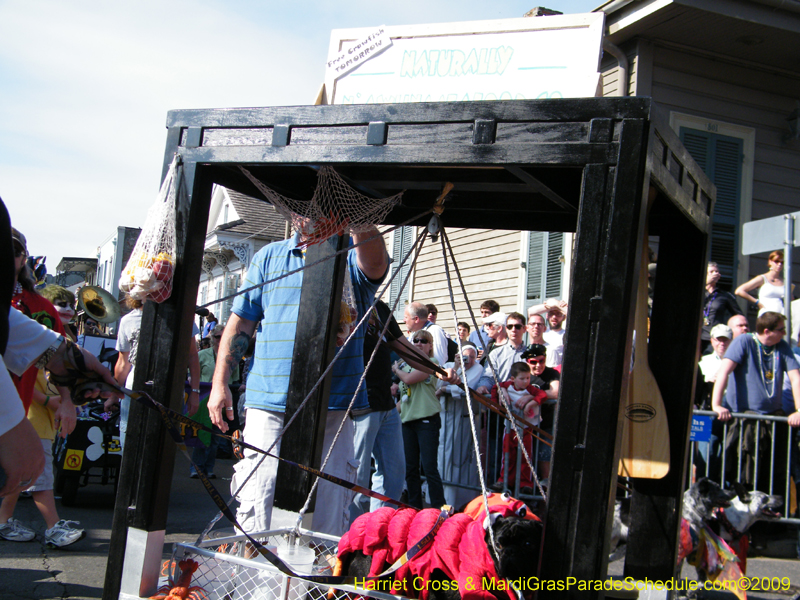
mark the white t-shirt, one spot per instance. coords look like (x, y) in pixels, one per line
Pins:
(554, 340)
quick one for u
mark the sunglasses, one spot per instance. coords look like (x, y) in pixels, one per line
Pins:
(19, 252)
(536, 361)
(516, 326)
(421, 341)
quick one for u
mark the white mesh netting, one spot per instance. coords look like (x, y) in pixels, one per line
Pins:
(151, 265)
(334, 209)
(224, 573)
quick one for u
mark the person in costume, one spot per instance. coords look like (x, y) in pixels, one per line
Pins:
(64, 302)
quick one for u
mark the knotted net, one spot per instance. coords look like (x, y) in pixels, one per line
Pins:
(335, 209)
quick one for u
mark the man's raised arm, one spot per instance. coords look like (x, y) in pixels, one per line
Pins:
(232, 346)
(371, 256)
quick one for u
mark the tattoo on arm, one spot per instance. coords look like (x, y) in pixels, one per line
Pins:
(238, 346)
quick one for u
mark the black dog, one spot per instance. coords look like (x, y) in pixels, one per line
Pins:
(518, 542)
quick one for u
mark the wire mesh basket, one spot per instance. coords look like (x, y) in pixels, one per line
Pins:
(225, 572)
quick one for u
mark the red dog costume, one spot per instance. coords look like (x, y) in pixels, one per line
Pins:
(458, 549)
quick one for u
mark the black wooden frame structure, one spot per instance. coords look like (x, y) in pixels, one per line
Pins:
(588, 165)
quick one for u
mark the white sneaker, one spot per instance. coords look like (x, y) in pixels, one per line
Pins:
(15, 531)
(61, 534)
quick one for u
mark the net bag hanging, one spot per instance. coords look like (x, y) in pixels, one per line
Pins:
(151, 267)
(335, 209)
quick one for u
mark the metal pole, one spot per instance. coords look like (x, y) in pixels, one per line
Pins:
(788, 242)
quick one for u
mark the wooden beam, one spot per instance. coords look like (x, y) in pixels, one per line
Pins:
(598, 344)
(314, 349)
(674, 346)
(147, 462)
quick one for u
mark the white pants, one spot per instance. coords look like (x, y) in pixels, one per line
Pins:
(257, 496)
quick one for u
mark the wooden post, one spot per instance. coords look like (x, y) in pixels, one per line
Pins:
(140, 512)
(674, 340)
(598, 342)
(314, 348)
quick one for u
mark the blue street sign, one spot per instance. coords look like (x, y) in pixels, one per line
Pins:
(701, 428)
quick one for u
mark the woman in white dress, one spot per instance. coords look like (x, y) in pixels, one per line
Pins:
(770, 284)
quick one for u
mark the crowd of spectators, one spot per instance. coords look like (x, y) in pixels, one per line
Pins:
(411, 420)
(749, 373)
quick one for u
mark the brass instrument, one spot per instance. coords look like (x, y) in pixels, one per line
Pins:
(98, 304)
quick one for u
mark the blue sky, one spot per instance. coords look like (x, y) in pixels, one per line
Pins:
(85, 87)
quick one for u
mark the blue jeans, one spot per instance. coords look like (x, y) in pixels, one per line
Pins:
(421, 443)
(206, 456)
(378, 434)
(124, 413)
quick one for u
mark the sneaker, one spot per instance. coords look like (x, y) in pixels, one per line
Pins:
(61, 534)
(15, 531)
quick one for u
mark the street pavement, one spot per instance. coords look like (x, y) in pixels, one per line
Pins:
(33, 571)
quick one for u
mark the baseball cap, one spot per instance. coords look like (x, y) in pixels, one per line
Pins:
(721, 330)
(497, 318)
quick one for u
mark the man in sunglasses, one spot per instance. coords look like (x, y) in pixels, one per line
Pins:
(506, 355)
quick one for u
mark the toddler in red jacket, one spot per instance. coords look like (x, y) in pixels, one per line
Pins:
(524, 399)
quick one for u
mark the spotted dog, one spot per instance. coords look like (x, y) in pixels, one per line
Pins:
(746, 509)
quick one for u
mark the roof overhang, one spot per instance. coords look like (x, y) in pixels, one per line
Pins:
(755, 31)
(75, 263)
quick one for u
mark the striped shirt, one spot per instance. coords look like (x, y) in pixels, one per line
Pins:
(275, 306)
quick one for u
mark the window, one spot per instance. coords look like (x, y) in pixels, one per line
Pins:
(545, 266)
(721, 158)
(403, 241)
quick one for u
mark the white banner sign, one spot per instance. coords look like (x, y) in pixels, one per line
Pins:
(356, 54)
(527, 58)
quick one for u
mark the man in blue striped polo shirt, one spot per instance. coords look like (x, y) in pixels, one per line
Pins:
(275, 307)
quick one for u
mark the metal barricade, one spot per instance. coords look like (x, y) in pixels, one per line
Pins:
(457, 463)
(745, 449)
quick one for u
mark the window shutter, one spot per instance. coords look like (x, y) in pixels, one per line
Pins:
(403, 241)
(555, 268)
(536, 253)
(545, 269)
(721, 158)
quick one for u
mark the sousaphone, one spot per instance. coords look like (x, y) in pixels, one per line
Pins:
(98, 304)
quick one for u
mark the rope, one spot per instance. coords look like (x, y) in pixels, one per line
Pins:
(419, 242)
(446, 240)
(417, 248)
(473, 431)
(386, 287)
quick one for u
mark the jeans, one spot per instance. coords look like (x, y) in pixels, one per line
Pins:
(378, 434)
(206, 456)
(421, 443)
(124, 413)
